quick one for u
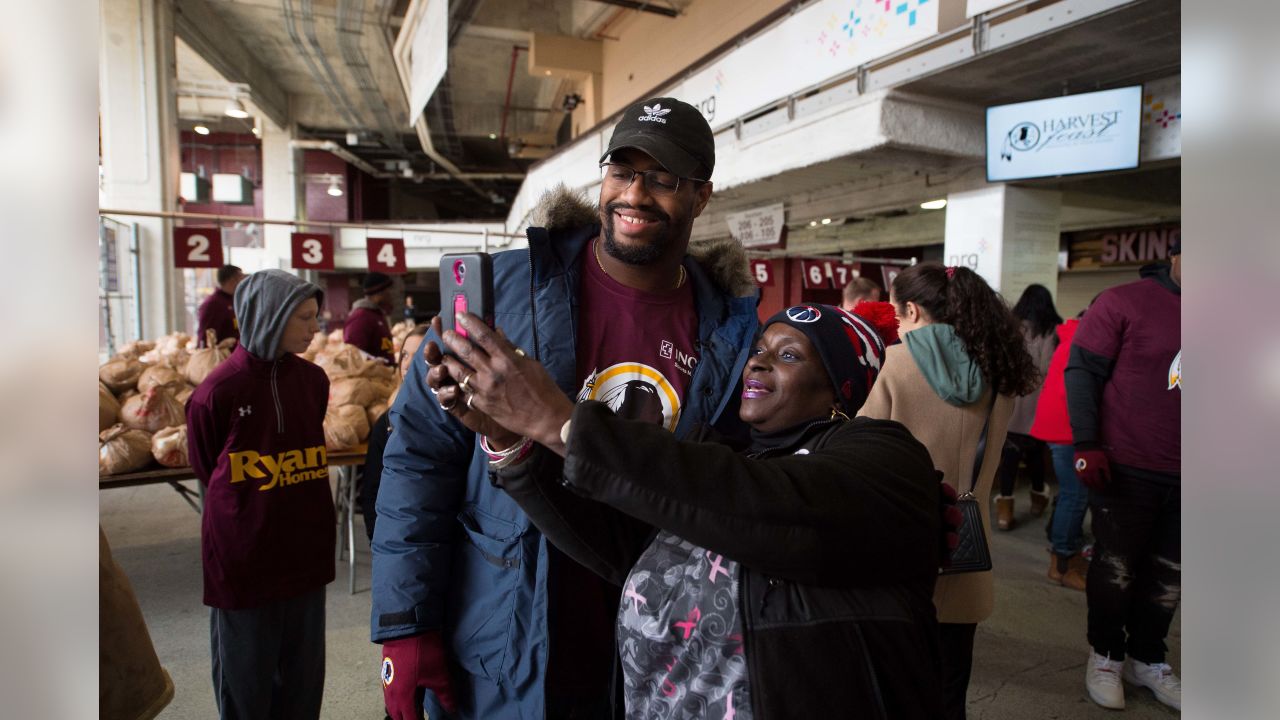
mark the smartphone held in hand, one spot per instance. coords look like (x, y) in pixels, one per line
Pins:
(466, 285)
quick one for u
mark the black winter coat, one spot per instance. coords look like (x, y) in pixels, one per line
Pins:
(838, 547)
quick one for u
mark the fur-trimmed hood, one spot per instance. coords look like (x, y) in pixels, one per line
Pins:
(723, 259)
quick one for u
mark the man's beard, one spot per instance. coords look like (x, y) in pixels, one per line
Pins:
(645, 254)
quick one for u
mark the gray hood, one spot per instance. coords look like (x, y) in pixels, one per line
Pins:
(941, 357)
(264, 302)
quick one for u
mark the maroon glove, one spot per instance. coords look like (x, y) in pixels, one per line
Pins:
(951, 520)
(410, 666)
(1093, 468)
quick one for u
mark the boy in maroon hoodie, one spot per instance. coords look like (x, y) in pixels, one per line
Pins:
(256, 440)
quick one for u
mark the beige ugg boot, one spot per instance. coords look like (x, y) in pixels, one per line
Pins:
(1039, 501)
(1068, 571)
(1004, 512)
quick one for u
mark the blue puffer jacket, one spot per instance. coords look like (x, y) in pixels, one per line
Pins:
(454, 553)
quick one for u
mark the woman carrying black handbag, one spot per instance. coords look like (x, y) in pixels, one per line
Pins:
(954, 377)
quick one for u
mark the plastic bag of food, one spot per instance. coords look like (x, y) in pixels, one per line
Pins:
(374, 412)
(183, 393)
(169, 446)
(134, 350)
(120, 375)
(152, 410)
(345, 427)
(353, 391)
(346, 361)
(158, 375)
(108, 408)
(122, 450)
(204, 360)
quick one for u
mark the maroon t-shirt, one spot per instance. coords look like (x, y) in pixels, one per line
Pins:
(255, 437)
(636, 351)
(366, 328)
(1139, 326)
(217, 313)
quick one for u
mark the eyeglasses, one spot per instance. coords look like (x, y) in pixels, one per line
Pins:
(658, 182)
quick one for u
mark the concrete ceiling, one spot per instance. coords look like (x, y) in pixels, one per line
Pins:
(326, 66)
(1135, 43)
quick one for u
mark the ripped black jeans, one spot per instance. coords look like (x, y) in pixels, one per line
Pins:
(1135, 579)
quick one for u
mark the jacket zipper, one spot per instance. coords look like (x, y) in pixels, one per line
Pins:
(747, 618)
(275, 395)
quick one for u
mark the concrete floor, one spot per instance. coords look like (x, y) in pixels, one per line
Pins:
(1029, 657)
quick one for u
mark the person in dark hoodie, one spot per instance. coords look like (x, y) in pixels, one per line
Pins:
(218, 312)
(785, 578)
(1124, 398)
(474, 609)
(256, 440)
(366, 326)
(953, 378)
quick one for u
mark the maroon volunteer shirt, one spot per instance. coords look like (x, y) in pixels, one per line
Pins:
(255, 436)
(367, 329)
(1139, 326)
(217, 313)
(636, 351)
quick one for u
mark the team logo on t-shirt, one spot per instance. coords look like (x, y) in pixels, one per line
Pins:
(1175, 372)
(634, 391)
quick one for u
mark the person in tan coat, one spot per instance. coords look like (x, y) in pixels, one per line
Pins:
(961, 363)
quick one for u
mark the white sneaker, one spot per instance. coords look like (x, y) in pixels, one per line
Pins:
(1102, 679)
(1159, 677)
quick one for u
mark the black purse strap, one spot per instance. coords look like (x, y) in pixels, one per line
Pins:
(973, 482)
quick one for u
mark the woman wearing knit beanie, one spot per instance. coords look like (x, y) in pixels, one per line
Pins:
(782, 578)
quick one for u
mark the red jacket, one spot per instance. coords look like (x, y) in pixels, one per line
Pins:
(366, 328)
(217, 313)
(1052, 424)
(255, 435)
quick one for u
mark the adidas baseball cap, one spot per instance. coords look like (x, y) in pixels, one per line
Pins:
(671, 131)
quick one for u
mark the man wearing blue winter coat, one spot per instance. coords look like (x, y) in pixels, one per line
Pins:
(475, 612)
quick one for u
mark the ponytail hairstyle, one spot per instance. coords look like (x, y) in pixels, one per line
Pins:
(990, 333)
(1035, 308)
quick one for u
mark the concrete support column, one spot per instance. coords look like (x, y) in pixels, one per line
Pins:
(279, 192)
(139, 114)
(1008, 235)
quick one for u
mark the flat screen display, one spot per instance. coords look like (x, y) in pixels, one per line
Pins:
(1089, 132)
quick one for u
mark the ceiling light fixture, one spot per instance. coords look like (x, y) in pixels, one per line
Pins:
(493, 136)
(934, 204)
(826, 221)
(335, 189)
(236, 109)
(813, 223)
(201, 130)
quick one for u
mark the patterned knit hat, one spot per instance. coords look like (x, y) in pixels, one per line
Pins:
(851, 344)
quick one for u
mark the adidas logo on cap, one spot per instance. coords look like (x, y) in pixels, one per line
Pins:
(654, 114)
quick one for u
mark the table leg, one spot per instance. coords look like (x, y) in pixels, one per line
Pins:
(351, 532)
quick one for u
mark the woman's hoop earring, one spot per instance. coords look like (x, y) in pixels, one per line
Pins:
(837, 413)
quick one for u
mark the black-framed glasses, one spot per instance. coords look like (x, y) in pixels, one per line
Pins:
(619, 177)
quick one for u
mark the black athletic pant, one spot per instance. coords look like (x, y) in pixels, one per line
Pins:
(268, 662)
(1024, 448)
(957, 663)
(1135, 579)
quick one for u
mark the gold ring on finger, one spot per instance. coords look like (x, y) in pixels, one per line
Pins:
(469, 399)
(464, 382)
(519, 352)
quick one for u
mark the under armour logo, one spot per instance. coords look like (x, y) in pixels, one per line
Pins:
(246, 410)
